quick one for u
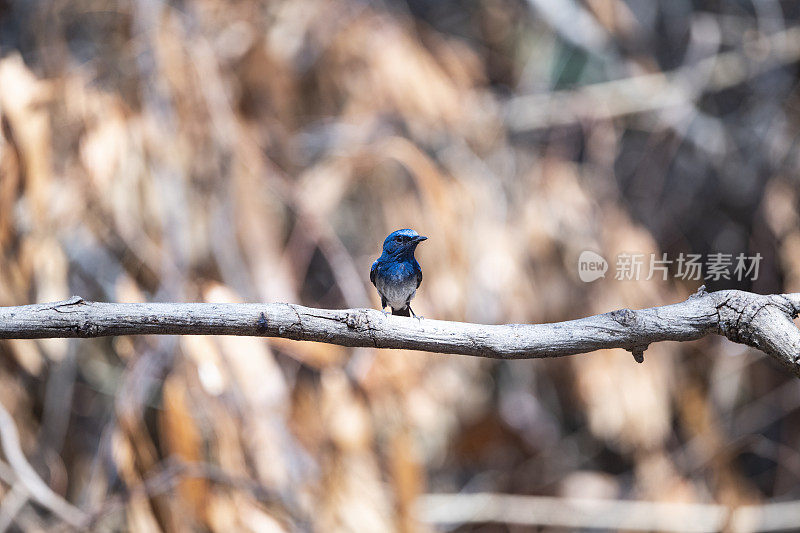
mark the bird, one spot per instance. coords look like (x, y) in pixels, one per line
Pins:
(396, 273)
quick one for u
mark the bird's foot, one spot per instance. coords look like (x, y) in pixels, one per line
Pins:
(414, 314)
(386, 313)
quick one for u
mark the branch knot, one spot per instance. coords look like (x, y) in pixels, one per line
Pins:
(625, 317)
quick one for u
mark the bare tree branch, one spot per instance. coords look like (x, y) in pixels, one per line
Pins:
(761, 321)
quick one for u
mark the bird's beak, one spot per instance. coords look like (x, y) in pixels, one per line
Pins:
(420, 238)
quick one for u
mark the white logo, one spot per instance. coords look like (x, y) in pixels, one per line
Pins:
(591, 266)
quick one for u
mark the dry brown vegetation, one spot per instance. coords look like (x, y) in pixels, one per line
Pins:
(242, 151)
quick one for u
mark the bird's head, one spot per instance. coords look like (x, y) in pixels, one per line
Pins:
(402, 242)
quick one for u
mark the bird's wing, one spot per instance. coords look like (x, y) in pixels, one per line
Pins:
(372, 272)
(419, 273)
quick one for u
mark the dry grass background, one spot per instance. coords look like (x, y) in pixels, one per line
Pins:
(243, 151)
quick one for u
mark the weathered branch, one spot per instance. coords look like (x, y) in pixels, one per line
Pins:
(761, 321)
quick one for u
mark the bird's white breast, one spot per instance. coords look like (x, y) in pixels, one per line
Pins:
(397, 292)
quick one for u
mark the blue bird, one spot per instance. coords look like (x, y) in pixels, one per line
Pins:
(396, 273)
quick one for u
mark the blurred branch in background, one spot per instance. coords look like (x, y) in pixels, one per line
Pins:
(28, 483)
(583, 513)
(656, 91)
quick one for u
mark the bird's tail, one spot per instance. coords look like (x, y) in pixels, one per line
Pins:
(402, 312)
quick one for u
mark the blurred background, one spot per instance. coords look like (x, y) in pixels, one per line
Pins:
(261, 151)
